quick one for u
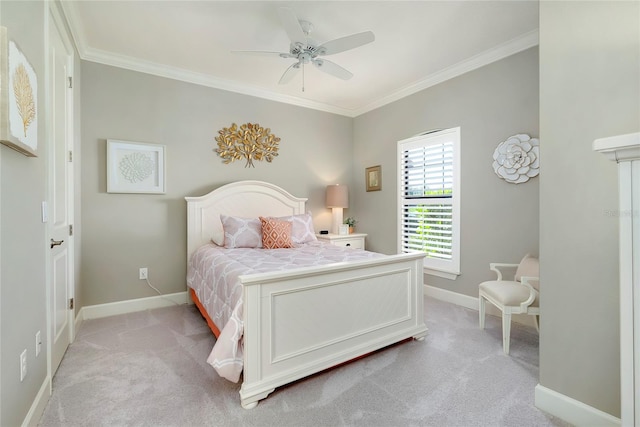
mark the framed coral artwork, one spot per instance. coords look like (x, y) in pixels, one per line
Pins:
(18, 99)
(135, 167)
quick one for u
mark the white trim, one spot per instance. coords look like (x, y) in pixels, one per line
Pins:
(39, 404)
(489, 56)
(443, 274)
(452, 297)
(423, 141)
(129, 306)
(625, 150)
(79, 319)
(571, 410)
(473, 304)
(619, 148)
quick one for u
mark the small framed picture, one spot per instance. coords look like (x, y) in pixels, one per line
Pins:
(135, 167)
(373, 178)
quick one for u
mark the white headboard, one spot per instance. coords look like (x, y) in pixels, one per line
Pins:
(247, 199)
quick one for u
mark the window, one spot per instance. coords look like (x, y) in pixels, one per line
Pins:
(429, 200)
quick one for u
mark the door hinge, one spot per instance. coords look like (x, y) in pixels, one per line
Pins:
(70, 156)
(71, 304)
(70, 229)
(70, 82)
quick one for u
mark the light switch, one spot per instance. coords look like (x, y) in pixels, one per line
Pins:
(45, 212)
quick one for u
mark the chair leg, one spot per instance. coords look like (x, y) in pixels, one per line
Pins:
(506, 331)
(481, 311)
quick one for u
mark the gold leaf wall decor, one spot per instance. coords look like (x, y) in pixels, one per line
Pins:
(24, 97)
(249, 141)
(18, 99)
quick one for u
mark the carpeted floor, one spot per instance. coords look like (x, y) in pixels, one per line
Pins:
(149, 369)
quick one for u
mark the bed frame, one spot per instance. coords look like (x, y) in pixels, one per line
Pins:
(299, 322)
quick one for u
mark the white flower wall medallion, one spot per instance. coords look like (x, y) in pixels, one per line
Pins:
(517, 159)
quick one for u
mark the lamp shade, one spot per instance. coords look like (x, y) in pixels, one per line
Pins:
(337, 196)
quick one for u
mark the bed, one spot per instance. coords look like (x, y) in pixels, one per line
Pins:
(298, 321)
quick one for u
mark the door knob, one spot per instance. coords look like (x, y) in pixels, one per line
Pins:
(56, 243)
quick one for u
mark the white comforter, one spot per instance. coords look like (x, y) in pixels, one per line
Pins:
(213, 274)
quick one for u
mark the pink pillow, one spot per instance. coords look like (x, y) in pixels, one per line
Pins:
(241, 232)
(301, 228)
(276, 234)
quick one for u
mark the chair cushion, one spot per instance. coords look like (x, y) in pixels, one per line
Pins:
(507, 292)
(528, 267)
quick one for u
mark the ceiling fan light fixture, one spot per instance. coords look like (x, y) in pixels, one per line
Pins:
(306, 50)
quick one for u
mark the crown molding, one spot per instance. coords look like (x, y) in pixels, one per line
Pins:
(497, 53)
(160, 70)
(87, 53)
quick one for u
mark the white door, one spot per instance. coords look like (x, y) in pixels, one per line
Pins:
(60, 209)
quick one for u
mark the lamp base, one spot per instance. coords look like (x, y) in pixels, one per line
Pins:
(337, 220)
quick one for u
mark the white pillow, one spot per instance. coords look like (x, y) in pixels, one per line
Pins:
(218, 238)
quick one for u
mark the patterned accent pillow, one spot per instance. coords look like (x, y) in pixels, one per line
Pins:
(276, 234)
(241, 232)
(301, 228)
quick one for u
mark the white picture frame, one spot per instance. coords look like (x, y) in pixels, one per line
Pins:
(135, 167)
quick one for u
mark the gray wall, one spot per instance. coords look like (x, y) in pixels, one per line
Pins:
(499, 221)
(122, 232)
(22, 265)
(589, 88)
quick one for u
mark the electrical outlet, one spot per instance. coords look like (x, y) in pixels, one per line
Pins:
(38, 343)
(23, 364)
(144, 272)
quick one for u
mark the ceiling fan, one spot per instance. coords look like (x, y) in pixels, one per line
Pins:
(305, 50)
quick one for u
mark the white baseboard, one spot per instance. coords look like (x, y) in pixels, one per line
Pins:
(129, 306)
(472, 303)
(571, 410)
(39, 404)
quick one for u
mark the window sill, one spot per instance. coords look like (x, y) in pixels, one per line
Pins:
(444, 274)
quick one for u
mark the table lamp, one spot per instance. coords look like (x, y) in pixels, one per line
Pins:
(337, 200)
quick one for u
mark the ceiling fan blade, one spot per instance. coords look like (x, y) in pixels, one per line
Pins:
(289, 73)
(332, 68)
(292, 26)
(346, 43)
(263, 53)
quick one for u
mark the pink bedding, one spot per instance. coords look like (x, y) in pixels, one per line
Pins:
(213, 273)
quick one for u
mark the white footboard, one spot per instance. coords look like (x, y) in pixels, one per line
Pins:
(299, 322)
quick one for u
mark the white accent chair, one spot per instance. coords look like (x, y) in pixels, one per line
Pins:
(517, 296)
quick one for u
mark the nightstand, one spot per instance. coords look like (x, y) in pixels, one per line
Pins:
(354, 240)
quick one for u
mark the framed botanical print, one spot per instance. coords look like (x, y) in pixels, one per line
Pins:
(373, 178)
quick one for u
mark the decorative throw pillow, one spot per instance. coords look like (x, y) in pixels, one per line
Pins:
(241, 232)
(302, 230)
(276, 234)
(528, 267)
